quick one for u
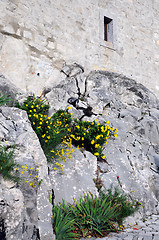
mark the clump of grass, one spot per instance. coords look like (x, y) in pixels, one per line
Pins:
(7, 164)
(4, 99)
(91, 215)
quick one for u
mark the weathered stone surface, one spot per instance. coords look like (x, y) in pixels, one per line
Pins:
(77, 177)
(25, 211)
(133, 156)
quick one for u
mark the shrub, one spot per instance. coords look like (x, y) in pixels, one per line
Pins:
(92, 136)
(7, 164)
(58, 132)
(92, 215)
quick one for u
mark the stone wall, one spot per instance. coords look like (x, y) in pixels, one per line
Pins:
(38, 37)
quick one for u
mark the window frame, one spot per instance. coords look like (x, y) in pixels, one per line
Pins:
(111, 32)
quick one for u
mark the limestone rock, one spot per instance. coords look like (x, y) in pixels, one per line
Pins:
(25, 211)
(133, 156)
(77, 177)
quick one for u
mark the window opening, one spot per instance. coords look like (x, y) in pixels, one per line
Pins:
(108, 29)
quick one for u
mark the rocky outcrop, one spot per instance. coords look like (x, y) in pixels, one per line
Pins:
(25, 212)
(134, 111)
(132, 161)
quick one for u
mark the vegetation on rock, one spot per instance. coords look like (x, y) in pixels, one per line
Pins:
(7, 164)
(58, 132)
(92, 215)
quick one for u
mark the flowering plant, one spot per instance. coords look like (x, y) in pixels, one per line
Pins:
(92, 136)
(58, 132)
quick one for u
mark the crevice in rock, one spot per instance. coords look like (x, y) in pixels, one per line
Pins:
(98, 182)
(11, 35)
(2, 230)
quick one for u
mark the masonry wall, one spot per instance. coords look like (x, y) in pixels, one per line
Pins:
(37, 37)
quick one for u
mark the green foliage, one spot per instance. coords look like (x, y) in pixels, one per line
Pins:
(126, 207)
(92, 215)
(4, 99)
(63, 222)
(53, 132)
(58, 132)
(7, 164)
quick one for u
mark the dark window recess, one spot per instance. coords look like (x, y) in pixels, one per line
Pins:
(108, 29)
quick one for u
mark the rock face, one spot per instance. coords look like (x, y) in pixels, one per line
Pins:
(132, 161)
(25, 212)
(134, 111)
(77, 178)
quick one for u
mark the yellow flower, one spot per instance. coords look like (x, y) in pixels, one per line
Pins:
(103, 157)
(62, 152)
(39, 127)
(96, 154)
(40, 123)
(29, 115)
(92, 142)
(69, 108)
(46, 141)
(22, 172)
(78, 127)
(37, 105)
(30, 110)
(82, 138)
(33, 123)
(48, 127)
(43, 136)
(48, 137)
(34, 110)
(98, 136)
(115, 135)
(107, 122)
(15, 169)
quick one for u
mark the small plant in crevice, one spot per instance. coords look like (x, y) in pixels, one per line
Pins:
(7, 164)
(92, 136)
(28, 174)
(4, 99)
(12, 171)
(92, 216)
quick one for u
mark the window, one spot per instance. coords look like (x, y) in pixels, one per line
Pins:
(108, 29)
